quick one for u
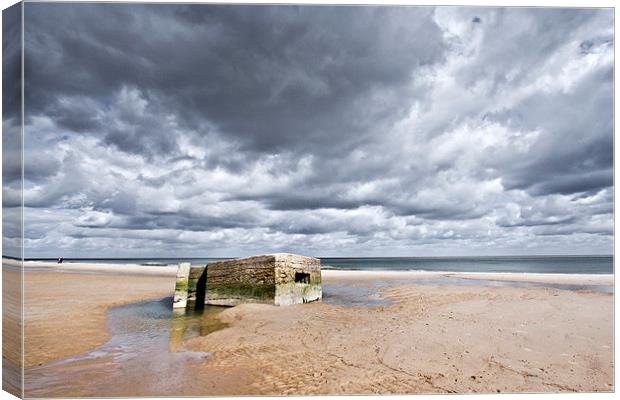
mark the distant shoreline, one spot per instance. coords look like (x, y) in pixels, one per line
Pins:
(470, 257)
(170, 270)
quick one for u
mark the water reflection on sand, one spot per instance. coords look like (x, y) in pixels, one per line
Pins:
(192, 323)
(146, 346)
(367, 293)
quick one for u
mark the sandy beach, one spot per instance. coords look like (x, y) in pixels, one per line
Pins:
(11, 329)
(420, 338)
(65, 313)
(581, 279)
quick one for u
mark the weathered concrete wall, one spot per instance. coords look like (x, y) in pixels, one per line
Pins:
(180, 289)
(298, 279)
(243, 280)
(264, 279)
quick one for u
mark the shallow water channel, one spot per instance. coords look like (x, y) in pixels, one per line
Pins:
(146, 340)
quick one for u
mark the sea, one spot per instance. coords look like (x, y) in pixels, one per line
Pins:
(584, 264)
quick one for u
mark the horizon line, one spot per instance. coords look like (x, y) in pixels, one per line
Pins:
(341, 257)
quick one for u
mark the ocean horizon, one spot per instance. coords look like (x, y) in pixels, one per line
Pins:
(576, 264)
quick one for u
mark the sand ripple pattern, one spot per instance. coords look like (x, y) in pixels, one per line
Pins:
(430, 339)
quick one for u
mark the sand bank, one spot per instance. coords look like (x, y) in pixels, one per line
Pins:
(126, 269)
(569, 279)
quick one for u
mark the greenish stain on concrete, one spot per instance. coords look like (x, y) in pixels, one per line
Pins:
(311, 289)
(241, 290)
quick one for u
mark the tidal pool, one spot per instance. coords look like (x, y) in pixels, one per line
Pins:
(145, 354)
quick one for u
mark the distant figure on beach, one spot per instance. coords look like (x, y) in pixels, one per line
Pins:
(60, 260)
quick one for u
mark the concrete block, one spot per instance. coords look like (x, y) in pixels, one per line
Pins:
(180, 289)
(280, 279)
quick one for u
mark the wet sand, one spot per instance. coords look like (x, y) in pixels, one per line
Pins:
(565, 279)
(430, 339)
(417, 339)
(568, 279)
(65, 313)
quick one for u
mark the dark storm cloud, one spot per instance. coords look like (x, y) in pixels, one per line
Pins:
(11, 94)
(154, 221)
(273, 77)
(11, 62)
(337, 129)
(577, 153)
(11, 132)
(303, 201)
(570, 184)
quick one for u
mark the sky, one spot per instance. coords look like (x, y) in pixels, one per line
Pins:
(212, 131)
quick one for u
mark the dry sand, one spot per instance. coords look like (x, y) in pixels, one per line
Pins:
(429, 339)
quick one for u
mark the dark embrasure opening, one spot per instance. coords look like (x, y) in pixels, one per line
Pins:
(302, 277)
